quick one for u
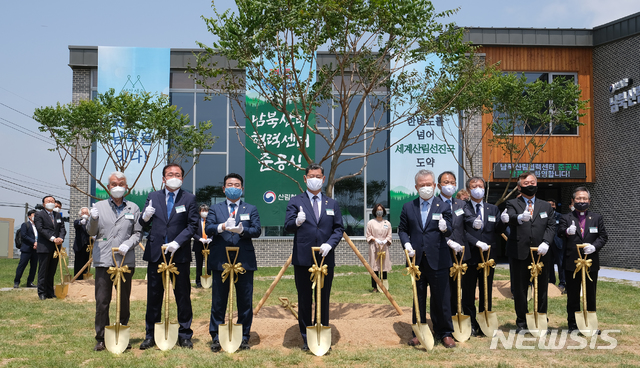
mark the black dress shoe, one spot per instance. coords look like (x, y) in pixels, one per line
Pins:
(215, 346)
(99, 346)
(185, 343)
(519, 329)
(245, 345)
(16, 285)
(305, 347)
(198, 286)
(42, 297)
(147, 343)
(414, 342)
(31, 285)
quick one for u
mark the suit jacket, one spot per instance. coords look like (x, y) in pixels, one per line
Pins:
(595, 234)
(457, 224)
(179, 227)
(47, 228)
(28, 237)
(541, 227)
(327, 229)
(428, 239)
(492, 227)
(197, 244)
(558, 242)
(248, 215)
(82, 237)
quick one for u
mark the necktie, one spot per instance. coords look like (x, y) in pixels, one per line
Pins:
(424, 212)
(232, 212)
(52, 217)
(170, 204)
(315, 207)
(530, 207)
(478, 209)
(204, 234)
(448, 202)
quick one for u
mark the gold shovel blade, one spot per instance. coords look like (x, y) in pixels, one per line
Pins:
(537, 326)
(319, 342)
(61, 291)
(206, 281)
(230, 340)
(423, 333)
(166, 336)
(87, 276)
(461, 327)
(488, 324)
(589, 326)
(116, 338)
(67, 278)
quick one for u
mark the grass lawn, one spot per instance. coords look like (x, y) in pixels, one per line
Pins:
(60, 333)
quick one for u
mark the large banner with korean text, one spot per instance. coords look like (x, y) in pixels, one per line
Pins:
(274, 152)
(423, 144)
(133, 70)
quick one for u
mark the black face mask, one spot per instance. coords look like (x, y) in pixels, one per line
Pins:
(529, 190)
(581, 206)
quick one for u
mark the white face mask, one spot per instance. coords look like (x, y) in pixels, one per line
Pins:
(379, 213)
(203, 214)
(50, 206)
(173, 183)
(84, 217)
(477, 193)
(448, 190)
(117, 192)
(426, 192)
(56, 209)
(314, 184)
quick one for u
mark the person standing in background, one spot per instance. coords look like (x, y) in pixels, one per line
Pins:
(51, 233)
(81, 242)
(378, 236)
(28, 253)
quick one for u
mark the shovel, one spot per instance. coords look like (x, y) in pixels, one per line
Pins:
(487, 320)
(230, 334)
(116, 337)
(461, 322)
(62, 289)
(286, 304)
(166, 333)
(89, 275)
(381, 255)
(587, 321)
(536, 322)
(205, 280)
(318, 336)
(422, 331)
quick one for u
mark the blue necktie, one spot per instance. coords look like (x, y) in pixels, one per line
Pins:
(232, 213)
(424, 212)
(170, 204)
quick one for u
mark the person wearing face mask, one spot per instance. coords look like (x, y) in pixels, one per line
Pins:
(378, 236)
(533, 224)
(51, 232)
(114, 223)
(316, 221)
(425, 224)
(581, 226)
(200, 239)
(172, 215)
(232, 223)
(81, 242)
(28, 253)
(482, 227)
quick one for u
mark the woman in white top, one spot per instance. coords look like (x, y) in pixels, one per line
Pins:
(379, 238)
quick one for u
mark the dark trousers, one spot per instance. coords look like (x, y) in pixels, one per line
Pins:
(305, 298)
(520, 276)
(31, 259)
(103, 292)
(243, 290)
(46, 272)
(155, 296)
(556, 256)
(81, 259)
(373, 282)
(574, 302)
(440, 303)
(199, 262)
(472, 278)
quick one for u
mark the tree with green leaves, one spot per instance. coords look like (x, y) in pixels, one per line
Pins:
(127, 127)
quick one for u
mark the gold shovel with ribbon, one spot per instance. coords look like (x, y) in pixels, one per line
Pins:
(487, 319)
(461, 322)
(230, 334)
(380, 256)
(116, 337)
(205, 279)
(286, 304)
(166, 333)
(318, 336)
(536, 322)
(89, 275)
(62, 289)
(586, 321)
(421, 330)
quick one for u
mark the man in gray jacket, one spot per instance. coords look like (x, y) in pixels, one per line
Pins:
(114, 223)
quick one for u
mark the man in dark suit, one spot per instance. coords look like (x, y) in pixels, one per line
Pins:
(28, 254)
(425, 223)
(51, 232)
(200, 238)
(81, 241)
(482, 227)
(232, 223)
(316, 221)
(532, 222)
(173, 216)
(581, 227)
(557, 253)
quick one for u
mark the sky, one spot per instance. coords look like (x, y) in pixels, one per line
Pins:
(34, 69)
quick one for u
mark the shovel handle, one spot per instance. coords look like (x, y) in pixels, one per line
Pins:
(580, 246)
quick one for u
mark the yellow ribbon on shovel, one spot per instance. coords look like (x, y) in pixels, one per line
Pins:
(206, 252)
(413, 271)
(457, 269)
(61, 253)
(317, 274)
(172, 269)
(535, 268)
(582, 263)
(488, 264)
(380, 256)
(118, 272)
(235, 268)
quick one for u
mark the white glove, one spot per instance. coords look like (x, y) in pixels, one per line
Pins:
(230, 223)
(571, 230)
(524, 216)
(302, 217)
(477, 223)
(94, 213)
(483, 246)
(442, 224)
(204, 241)
(172, 247)
(409, 248)
(123, 249)
(325, 249)
(543, 248)
(83, 222)
(149, 211)
(504, 216)
(589, 249)
(237, 229)
(381, 242)
(455, 246)
(209, 241)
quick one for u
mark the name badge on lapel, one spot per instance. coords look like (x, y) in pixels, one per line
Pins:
(58, 221)
(459, 211)
(330, 212)
(244, 217)
(128, 216)
(180, 209)
(491, 218)
(543, 215)
(436, 216)
(593, 230)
